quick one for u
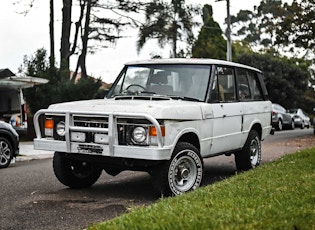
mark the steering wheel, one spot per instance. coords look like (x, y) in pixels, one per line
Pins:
(135, 85)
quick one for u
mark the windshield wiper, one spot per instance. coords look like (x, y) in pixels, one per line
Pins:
(184, 98)
(146, 92)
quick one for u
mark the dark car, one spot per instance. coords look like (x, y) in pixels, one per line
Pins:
(301, 119)
(9, 144)
(281, 118)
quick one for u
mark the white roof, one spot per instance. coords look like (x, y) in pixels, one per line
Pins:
(200, 61)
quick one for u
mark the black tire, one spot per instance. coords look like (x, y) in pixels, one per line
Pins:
(292, 126)
(302, 125)
(6, 152)
(250, 156)
(75, 173)
(279, 126)
(182, 173)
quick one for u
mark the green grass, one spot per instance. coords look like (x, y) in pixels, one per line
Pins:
(278, 195)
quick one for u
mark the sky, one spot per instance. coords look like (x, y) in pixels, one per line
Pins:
(23, 34)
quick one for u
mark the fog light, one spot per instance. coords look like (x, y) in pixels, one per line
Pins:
(101, 138)
(77, 137)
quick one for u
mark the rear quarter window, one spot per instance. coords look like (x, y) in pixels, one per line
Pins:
(249, 85)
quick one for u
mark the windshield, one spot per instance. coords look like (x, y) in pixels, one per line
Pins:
(175, 81)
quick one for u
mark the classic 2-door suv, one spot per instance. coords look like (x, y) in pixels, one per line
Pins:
(160, 116)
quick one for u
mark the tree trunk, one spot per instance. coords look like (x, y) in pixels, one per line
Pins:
(52, 38)
(85, 37)
(174, 38)
(65, 36)
(78, 26)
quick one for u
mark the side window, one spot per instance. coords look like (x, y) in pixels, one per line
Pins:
(243, 85)
(255, 87)
(223, 86)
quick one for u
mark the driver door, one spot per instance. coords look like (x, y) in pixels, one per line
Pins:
(227, 111)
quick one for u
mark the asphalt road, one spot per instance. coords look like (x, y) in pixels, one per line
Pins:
(32, 198)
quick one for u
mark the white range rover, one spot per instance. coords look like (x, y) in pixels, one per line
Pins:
(162, 116)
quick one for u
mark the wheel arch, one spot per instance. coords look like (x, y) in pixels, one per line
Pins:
(190, 137)
(10, 138)
(258, 128)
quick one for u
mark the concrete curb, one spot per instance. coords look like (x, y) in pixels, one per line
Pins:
(20, 158)
(27, 152)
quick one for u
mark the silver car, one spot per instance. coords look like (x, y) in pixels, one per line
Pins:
(301, 119)
(281, 118)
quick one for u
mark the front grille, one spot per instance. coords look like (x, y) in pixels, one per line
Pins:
(91, 122)
(123, 132)
(94, 122)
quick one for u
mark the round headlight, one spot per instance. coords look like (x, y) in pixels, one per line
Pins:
(61, 128)
(139, 135)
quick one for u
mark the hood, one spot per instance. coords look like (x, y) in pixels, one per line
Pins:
(160, 109)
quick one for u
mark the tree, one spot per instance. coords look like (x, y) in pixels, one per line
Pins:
(90, 25)
(95, 27)
(258, 27)
(165, 22)
(56, 90)
(288, 29)
(210, 42)
(297, 28)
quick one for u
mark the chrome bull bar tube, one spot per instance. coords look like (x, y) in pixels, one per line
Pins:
(112, 124)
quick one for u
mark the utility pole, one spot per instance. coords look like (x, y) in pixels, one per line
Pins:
(228, 32)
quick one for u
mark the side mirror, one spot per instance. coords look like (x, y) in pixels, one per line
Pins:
(102, 94)
(105, 93)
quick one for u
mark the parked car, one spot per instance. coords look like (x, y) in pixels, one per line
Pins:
(301, 119)
(9, 144)
(281, 118)
(162, 116)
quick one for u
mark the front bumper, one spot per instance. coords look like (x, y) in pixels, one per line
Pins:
(134, 152)
(110, 149)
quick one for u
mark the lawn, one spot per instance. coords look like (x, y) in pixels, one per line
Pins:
(277, 195)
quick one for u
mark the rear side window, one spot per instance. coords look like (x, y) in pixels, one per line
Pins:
(248, 85)
(244, 92)
(255, 86)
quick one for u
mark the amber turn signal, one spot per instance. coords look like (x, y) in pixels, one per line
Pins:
(153, 131)
(49, 124)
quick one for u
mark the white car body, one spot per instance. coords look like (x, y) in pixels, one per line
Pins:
(196, 116)
(119, 127)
